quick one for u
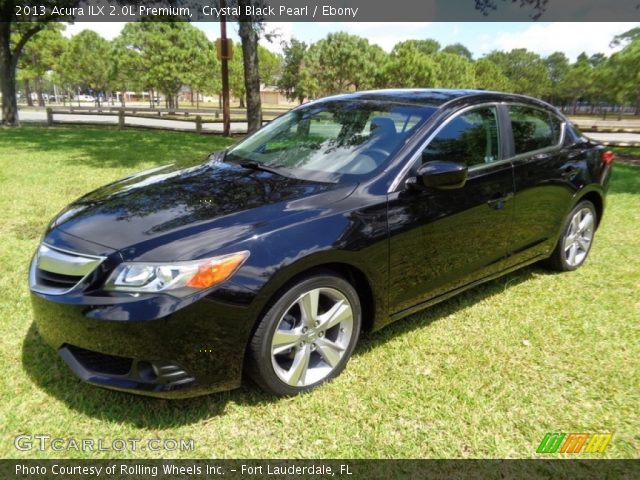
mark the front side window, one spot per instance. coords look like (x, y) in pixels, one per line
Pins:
(332, 140)
(471, 139)
(532, 129)
(558, 125)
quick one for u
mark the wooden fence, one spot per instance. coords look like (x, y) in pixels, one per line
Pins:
(196, 117)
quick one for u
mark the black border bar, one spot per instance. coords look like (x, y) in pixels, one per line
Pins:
(561, 468)
(330, 10)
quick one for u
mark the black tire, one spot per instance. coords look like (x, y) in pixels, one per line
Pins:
(560, 259)
(286, 315)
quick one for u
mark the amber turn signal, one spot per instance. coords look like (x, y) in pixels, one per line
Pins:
(217, 270)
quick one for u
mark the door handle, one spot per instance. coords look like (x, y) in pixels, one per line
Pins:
(499, 200)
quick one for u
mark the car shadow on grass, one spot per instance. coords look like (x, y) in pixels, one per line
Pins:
(48, 372)
(448, 307)
(51, 374)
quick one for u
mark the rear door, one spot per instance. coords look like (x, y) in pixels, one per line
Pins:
(544, 173)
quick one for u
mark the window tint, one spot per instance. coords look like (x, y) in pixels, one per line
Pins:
(470, 138)
(532, 129)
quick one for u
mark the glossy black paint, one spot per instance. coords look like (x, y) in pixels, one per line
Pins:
(403, 247)
(442, 175)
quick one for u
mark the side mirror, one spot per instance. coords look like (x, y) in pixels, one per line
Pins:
(441, 175)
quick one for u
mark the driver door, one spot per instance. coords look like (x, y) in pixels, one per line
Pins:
(443, 239)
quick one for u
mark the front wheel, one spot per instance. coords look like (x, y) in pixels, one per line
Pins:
(306, 337)
(576, 239)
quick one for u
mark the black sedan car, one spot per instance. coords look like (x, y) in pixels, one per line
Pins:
(340, 216)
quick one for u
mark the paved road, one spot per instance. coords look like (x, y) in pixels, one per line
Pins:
(621, 139)
(631, 123)
(241, 127)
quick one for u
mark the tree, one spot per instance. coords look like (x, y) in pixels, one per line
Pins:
(557, 68)
(490, 77)
(597, 59)
(627, 68)
(577, 82)
(126, 69)
(249, 30)
(342, 62)
(40, 56)
(458, 49)
(425, 46)
(525, 70)
(455, 71)
(626, 37)
(85, 62)
(204, 77)
(270, 66)
(166, 54)
(407, 66)
(14, 36)
(377, 60)
(605, 86)
(291, 82)
(236, 77)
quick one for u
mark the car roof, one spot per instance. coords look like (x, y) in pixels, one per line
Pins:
(435, 97)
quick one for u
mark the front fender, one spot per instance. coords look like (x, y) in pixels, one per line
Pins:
(354, 239)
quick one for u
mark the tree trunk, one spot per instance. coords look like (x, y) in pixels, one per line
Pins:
(249, 37)
(7, 78)
(242, 104)
(191, 90)
(38, 82)
(27, 92)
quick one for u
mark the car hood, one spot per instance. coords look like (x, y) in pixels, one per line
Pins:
(172, 213)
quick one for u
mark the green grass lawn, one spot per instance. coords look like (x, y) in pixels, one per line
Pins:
(485, 374)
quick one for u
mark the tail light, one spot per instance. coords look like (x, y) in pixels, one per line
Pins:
(607, 157)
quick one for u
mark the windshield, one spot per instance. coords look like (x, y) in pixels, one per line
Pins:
(332, 140)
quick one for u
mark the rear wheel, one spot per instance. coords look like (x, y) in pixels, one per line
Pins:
(306, 337)
(577, 237)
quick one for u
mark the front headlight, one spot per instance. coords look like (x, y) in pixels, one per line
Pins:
(179, 278)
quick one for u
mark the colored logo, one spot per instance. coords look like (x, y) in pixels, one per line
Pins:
(574, 443)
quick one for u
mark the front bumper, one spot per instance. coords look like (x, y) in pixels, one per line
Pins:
(152, 345)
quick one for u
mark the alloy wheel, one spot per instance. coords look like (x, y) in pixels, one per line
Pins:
(311, 338)
(579, 236)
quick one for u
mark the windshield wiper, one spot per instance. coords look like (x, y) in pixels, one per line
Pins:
(253, 165)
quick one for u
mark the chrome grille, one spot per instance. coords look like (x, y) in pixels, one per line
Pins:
(55, 271)
(56, 280)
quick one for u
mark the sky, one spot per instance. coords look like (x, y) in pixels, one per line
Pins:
(479, 37)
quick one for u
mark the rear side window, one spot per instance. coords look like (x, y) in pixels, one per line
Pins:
(532, 129)
(470, 138)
